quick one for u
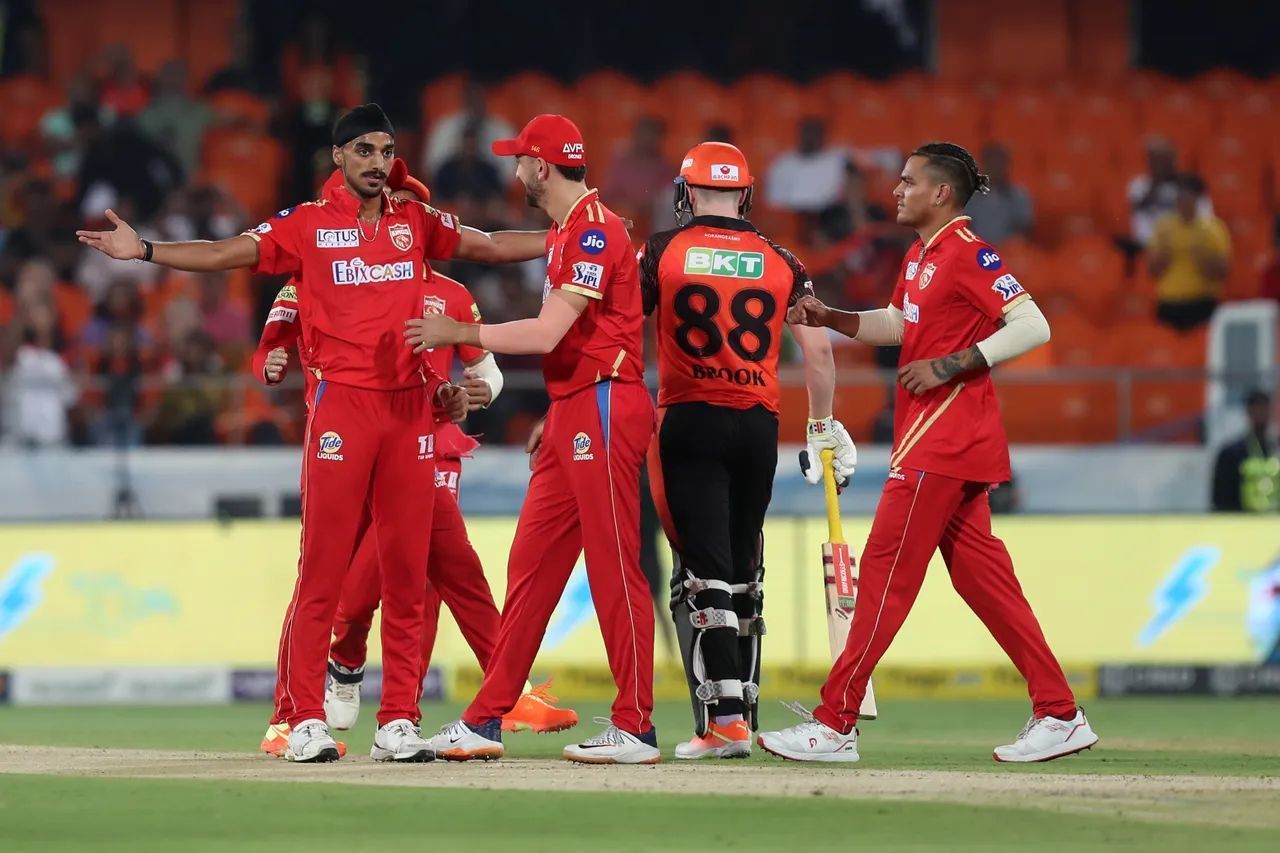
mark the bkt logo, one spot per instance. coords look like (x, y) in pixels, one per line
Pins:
(724, 262)
(358, 272)
(593, 242)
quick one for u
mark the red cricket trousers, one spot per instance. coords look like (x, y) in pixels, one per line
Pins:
(367, 473)
(454, 574)
(584, 495)
(919, 513)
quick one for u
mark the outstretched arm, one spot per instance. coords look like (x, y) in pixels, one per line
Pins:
(123, 244)
(534, 336)
(500, 247)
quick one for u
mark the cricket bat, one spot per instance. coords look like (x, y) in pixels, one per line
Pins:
(840, 579)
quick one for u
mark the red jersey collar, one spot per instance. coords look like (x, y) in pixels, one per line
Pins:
(578, 206)
(947, 230)
(337, 193)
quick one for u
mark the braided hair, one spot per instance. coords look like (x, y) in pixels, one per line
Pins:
(956, 167)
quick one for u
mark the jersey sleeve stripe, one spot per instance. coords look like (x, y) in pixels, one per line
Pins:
(965, 235)
(591, 213)
(1015, 303)
(617, 362)
(897, 458)
(600, 211)
(256, 238)
(582, 291)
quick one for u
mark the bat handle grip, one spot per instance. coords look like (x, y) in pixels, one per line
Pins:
(829, 486)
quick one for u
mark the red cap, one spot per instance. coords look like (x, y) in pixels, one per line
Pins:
(552, 137)
(400, 179)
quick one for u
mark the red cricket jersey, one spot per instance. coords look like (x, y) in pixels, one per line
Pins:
(444, 296)
(590, 254)
(358, 282)
(953, 291)
(721, 290)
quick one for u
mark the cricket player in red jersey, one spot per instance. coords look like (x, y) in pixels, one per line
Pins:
(361, 262)
(956, 311)
(584, 494)
(454, 570)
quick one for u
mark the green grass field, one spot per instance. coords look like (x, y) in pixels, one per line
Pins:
(1213, 768)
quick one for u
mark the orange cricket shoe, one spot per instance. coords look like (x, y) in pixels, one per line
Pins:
(536, 711)
(276, 741)
(732, 740)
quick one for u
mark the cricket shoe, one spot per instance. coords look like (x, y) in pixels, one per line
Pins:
(810, 740)
(1048, 738)
(732, 740)
(400, 740)
(460, 741)
(276, 741)
(310, 742)
(536, 711)
(342, 696)
(615, 746)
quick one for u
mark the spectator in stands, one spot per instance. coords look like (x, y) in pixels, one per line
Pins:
(95, 272)
(124, 161)
(188, 411)
(67, 129)
(123, 92)
(39, 390)
(119, 369)
(1006, 210)
(468, 175)
(36, 230)
(718, 132)
(1269, 287)
(1189, 255)
(638, 182)
(238, 74)
(1154, 194)
(445, 134)
(225, 321)
(121, 307)
(205, 212)
(1246, 474)
(316, 67)
(173, 119)
(810, 177)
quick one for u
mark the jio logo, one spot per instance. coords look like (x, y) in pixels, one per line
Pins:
(593, 242)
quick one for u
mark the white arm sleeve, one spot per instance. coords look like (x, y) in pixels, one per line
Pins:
(881, 327)
(487, 369)
(1025, 328)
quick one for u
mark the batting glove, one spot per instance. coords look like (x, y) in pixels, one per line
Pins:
(828, 434)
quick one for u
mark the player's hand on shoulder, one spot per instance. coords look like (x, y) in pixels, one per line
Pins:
(828, 434)
(808, 311)
(534, 445)
(276, 365)
(453, 399)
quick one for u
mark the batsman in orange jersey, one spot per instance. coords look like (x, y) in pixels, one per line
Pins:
(719, 290)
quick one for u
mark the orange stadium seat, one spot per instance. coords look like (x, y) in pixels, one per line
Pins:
(1237, 191)
(1181, 115)
(836, 89)
(1057, 412)
(951, 112)
(1078, 341)
(1250, 246)
(234, 106)
(1106, 114)
(702, 101)
(1031, 40)
(1065, 203)
(524, 95)
(225, 152)
(24, 99)
(766, 98)
(612, 93)
(1026, 115)
(1094, 269)
(74, 308)
(441, 97)
(875, 116)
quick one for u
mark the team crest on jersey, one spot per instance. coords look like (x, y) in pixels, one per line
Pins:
(401, 236)
(582, 448)
(926, 275)
(433, 305)
(913, 267)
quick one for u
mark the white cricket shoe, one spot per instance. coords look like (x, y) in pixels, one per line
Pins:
(459, 741)
(614, 746)
(1048, 738)
(400, 740)
(342, 696)
(310, 742)
(810, 741)
(732, 740)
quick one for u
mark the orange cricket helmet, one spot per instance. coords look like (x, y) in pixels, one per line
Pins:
(717, 166)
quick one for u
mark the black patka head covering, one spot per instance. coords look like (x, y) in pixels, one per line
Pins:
(366, 118)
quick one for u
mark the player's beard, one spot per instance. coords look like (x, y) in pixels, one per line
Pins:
(534, 194)
(359, 183)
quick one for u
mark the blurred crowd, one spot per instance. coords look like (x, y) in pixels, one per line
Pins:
(99, 352)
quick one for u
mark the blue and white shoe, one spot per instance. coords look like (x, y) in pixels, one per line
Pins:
(460, 741)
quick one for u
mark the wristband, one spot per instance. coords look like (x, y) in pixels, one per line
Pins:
(148, 249)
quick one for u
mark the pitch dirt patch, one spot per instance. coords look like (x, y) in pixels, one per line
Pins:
(1219, 800)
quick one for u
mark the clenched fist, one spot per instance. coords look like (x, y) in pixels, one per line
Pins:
(453, 399)
(808, 311)
(276, 365)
